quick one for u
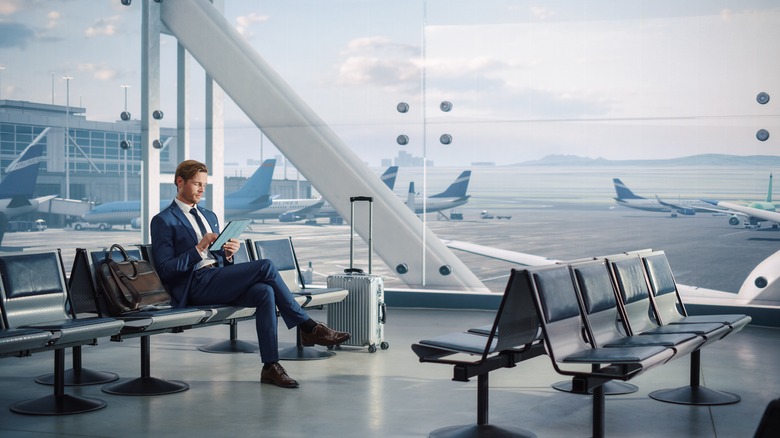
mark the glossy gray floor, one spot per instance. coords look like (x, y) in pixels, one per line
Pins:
(388, 393)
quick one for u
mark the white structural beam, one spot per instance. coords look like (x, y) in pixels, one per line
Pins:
(304, 138)
(150, 102)
(215, 138)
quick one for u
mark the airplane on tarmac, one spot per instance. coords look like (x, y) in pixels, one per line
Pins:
(18, 186)
(294, 210)
(688, 207)
(754, 212)
(752, 216)
(454, 196)
(252, 195)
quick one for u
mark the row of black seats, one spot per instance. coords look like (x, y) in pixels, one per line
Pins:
(41, 311)
(622, 315)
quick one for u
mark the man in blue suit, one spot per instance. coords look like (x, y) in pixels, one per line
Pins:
(181, 236)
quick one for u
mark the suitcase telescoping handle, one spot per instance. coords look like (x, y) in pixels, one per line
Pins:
(352, 201)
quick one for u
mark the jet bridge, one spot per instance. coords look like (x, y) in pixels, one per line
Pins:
(401, 239)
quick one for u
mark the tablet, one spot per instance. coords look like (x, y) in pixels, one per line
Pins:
(231, 231)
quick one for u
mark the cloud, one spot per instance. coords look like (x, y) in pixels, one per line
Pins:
(379, 43)
(54, 19)
(379, 61)
(245, 22)
(99, 72)
(10, 7)
(14, 34)
(103, 27)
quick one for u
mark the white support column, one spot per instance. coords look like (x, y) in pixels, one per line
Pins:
(215, 139)
(150, 102)
(182, 103)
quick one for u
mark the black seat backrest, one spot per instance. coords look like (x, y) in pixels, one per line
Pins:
(277, 250)
(599, 302)
(281, 253)
(595, 286)
(632, 287)
(33, 288)
(516, 319)
(559, 310)
(82, 282)
(663, 287)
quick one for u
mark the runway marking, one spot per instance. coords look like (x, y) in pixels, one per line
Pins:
(495, 278)
(734, 233)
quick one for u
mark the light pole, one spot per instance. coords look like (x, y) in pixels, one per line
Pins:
(125, 145)
(67, 136)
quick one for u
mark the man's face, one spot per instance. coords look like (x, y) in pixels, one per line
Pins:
(191, 191)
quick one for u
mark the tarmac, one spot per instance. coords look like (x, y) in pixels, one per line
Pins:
(703, 250)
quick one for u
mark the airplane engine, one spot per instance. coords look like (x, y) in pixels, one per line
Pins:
(734, 220)
(687, 211)
(135, 223)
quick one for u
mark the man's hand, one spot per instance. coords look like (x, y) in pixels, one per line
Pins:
(206, 241)
(231, 247)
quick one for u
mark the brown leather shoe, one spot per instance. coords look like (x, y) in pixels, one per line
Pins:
(276, 375)
(323, 335)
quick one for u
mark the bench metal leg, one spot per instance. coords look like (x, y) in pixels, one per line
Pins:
(695, 394)
(59, 403)
(232, 345)
(78, 375)
(599, 411)
(482, 429)
(610, 388)
(146, 384)
(299, 352)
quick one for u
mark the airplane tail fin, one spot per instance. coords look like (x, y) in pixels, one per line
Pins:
(389, 176)
(410, 197)
(622, 191)
(259, 184)
(22, 173)
(458, 188)
(769, 192)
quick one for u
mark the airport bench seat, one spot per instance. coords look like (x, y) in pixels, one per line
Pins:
(638, 304)
(669, 303)
(517, 321)
(599, 301)
(34, 295)
(141, 324)
(282, 253)
(21, 341)
(559, 310)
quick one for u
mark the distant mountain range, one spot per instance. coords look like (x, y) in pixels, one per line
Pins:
(693, 160)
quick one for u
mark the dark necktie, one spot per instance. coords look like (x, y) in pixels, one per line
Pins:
(194, 212)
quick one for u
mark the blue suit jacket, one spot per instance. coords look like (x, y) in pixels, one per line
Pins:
(174, 252)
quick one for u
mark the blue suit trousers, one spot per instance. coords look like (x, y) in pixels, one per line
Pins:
(251, 284)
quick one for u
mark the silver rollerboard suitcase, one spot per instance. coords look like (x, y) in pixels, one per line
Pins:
(363, 312)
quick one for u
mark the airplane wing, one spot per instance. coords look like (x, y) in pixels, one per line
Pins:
(771, 216)
(748, 295)
(500, 254)
(690, 210)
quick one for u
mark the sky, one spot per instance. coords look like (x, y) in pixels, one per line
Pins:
(612, 79)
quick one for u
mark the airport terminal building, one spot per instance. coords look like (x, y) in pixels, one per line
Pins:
(99, 166)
